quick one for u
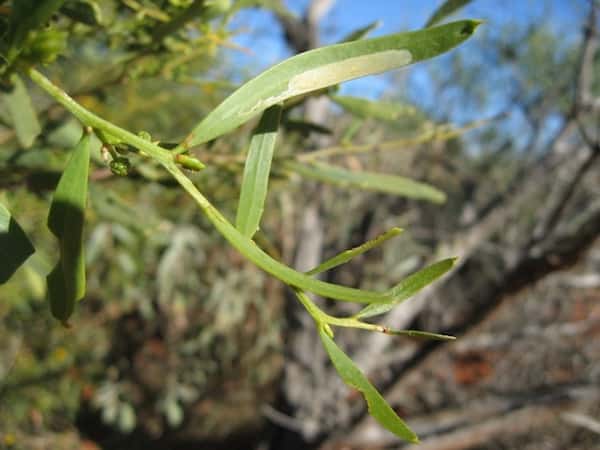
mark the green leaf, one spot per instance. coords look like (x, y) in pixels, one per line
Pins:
(243, 244)
(365, 109)
(409, 287)
(304, 127)
(347, 255)
(420, 334)
(23, 116)
(27, 15)
(254, 253)
(277, 6)
(352, 376)
(327, 66)
(447, 8)
(90, 12)
(391, 184)
(15, 247)
(66, 283)
(361, 32)
(256, 173)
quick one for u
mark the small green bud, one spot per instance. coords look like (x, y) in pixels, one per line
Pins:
(44, 46)
(145, 135)
(189, 162)
(120, 166)
(107, 138)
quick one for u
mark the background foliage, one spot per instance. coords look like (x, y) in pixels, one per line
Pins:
(182, 342)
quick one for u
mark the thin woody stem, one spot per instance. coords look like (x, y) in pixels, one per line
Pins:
(244, 245)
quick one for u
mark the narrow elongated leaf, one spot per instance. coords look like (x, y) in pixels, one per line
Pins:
(22, 114)
(66, 283)
(347, 255)
(254, 253)
(304, 127)
(352, 376)
(256, 173)
(391, 184)
(327, 66)
(365, 109)
(15, 246)
(420, 334)
(276, 6)
(361, 32)
(409, 287)
(447, 8)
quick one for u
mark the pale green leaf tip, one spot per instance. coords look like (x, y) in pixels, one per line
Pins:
(447, 337)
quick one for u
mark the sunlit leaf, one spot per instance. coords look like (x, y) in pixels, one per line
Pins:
(391, 184)
(256, 173)
(22, 114)
(409, 287)
(352, 376)
(66, 282)
(254, 253)
(347, 255)
(15, 246)
(327, 66)
(366, 109)
(447, 8)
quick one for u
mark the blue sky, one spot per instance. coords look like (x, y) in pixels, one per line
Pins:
(262, 36)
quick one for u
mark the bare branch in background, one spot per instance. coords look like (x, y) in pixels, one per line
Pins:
(500, 254)
(582, 420)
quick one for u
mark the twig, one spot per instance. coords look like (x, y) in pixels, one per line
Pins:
(582, 421)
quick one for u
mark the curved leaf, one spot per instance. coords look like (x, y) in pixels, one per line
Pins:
(256, 173)
(347, 255)
(66, 282)
(352, 376)
(244, 245)
(15, 246)
(409, 287)
(254, 253)
(362, 32)
(327, 66)
(392, 184)
(366, 109)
